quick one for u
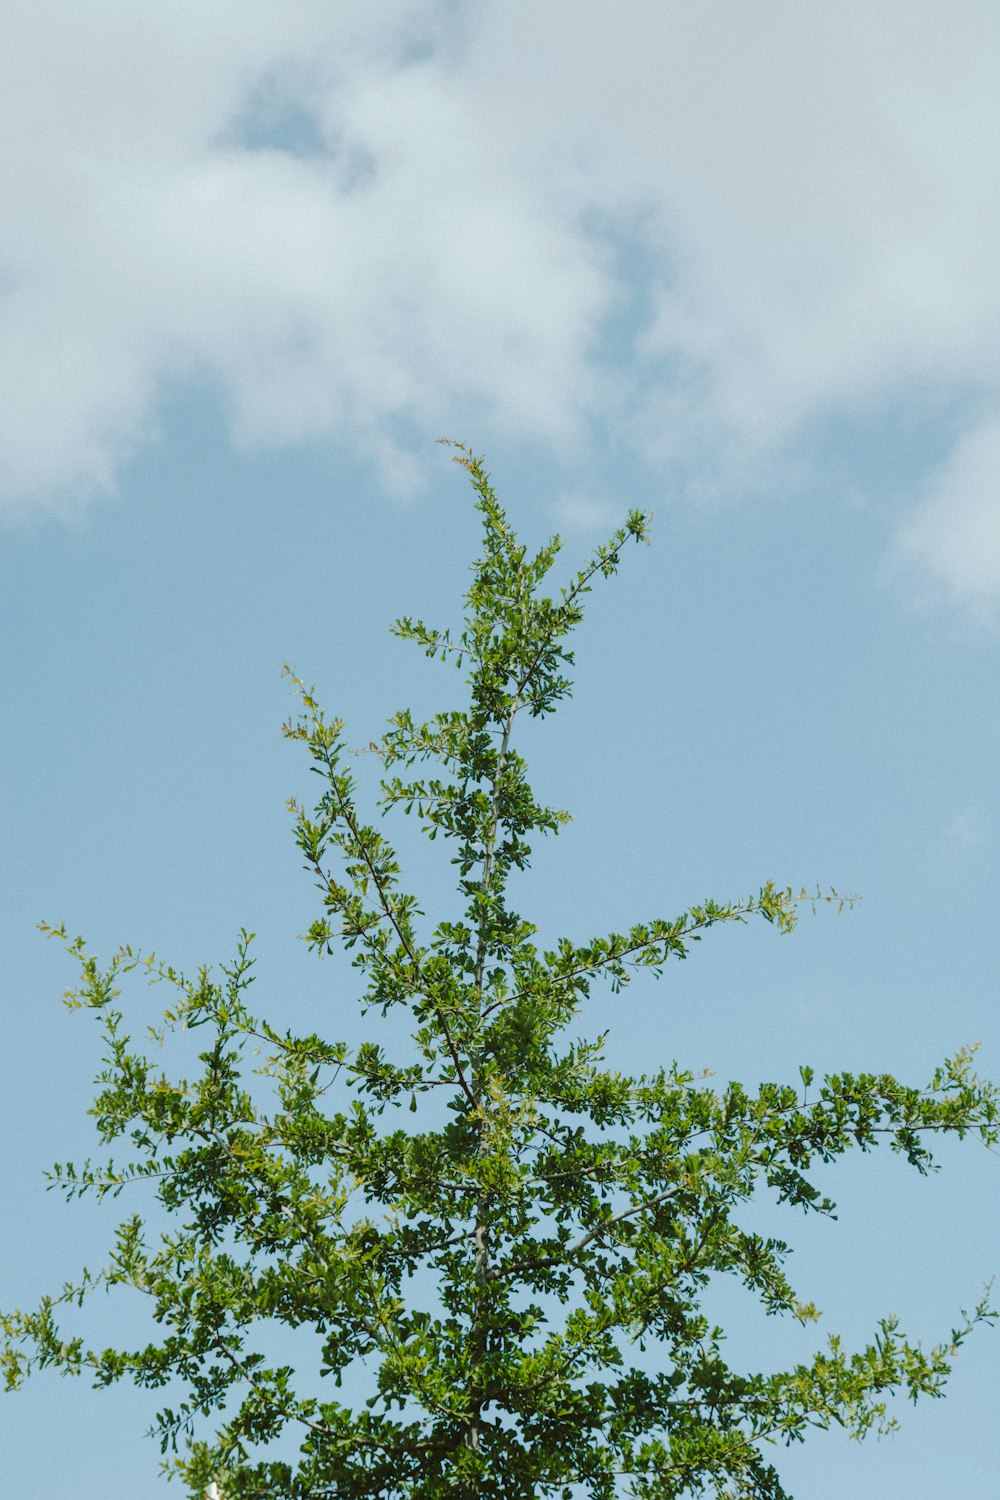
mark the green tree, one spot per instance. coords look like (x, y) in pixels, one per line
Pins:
(493, 1222)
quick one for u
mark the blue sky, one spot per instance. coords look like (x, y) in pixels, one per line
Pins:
(736, 265)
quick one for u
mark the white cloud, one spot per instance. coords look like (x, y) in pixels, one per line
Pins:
(809, 194)
(953, 536)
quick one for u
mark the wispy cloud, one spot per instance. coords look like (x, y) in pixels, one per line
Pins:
(966, 831)
(582, 513)
(358, 222)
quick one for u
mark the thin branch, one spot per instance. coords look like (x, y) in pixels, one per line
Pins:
(491, 835)
(389, 910)
(587, 1239)
(456, 1239)
(610, 958)
(259, 1385)
(578, 587)
(400, 1352)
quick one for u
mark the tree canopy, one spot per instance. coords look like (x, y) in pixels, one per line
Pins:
(496, 1245)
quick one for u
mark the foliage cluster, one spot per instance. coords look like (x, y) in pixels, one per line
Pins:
(497, 1225)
